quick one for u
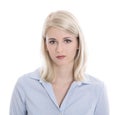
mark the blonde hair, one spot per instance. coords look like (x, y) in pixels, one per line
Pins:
(67, 22)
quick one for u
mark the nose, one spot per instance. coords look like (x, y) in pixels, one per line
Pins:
(59, 48)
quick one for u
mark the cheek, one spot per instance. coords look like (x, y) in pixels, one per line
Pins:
(50, 50)
(71, 52)
(72, 48)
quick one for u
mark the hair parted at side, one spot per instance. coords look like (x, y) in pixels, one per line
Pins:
(67, 22)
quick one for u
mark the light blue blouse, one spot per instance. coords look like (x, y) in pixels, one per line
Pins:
(33, 96)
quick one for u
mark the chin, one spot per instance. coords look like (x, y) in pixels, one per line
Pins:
(62, 63)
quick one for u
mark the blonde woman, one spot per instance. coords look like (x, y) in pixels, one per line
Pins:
(61, 86)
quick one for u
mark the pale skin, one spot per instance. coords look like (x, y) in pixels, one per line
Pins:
(62, 47)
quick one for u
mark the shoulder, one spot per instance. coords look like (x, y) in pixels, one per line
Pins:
(28, 78)
(98, 84)
(93, 80)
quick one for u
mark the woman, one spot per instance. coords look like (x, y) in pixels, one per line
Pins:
(61, 87)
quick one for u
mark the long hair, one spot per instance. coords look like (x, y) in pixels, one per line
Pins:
(67, 22)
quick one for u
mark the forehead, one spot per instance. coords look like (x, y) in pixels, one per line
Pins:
(58, 33)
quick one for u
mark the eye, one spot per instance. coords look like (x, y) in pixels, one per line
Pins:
(67, 41)
(52, 42)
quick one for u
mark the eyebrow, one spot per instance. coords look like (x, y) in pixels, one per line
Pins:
(51, 39)
(55, 39)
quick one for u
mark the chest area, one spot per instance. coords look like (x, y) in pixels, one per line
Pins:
(60, 92)
(70, 100)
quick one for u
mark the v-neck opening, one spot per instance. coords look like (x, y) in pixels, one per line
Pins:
(51, 94)
(65, 99)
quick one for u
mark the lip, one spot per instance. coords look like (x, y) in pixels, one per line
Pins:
(60, 56)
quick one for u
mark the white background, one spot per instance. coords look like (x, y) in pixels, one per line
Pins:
(21, 23)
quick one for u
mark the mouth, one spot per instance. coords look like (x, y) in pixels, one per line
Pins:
(60, 57)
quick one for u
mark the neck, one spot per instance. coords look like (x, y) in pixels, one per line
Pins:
(63, 73)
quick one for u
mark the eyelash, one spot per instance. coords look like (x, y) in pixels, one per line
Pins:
(66, 41)
(52, 42)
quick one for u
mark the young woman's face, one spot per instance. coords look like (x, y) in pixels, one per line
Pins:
(61, 46)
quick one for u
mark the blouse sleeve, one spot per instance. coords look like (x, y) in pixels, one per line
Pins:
(102, 107)
(17, 105)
